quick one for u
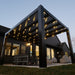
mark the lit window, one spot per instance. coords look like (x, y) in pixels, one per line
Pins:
(17, 38)
(8, 33)
(52, 52)
(37, 51)
(18, 35)
(28, 44)
(20, 27)
(66, 53)
(30, 50)
(23, 32)
(48, 53)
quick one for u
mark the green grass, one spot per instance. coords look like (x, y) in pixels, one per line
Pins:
(60, 70)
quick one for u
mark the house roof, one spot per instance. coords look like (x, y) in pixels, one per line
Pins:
(3, 30)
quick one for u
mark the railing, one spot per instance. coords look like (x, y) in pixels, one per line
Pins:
(20, 59)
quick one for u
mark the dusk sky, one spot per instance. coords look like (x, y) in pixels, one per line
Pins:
(13, 11)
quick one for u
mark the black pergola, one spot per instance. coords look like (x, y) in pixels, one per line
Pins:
(36, 28)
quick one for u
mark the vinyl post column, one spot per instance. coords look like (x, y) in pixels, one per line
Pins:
(70, 45)
(42, 46)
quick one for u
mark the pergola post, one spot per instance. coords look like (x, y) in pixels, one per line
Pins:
(20, 49)
(42, 45)
(70, 45)
(33, 50)
(11, 49)
(3, 50)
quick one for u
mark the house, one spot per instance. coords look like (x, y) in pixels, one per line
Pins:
(34, 41)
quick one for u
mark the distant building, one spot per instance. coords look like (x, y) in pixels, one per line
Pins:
(34, 41)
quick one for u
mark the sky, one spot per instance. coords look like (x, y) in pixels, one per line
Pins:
(13, 11)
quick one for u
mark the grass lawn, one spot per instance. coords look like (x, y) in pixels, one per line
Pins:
(60, 70)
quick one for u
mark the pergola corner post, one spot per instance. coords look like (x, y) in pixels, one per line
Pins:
(11, 49)
(42, 45)
(20, 50)
(3, 50)
(70, 45)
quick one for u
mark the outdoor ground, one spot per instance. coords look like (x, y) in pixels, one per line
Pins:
(57, 70)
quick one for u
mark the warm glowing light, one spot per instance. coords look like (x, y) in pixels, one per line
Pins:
(13, 36)
(36, 34)
(53, 35)
(29, 28)
(14, 31)
(26, 23)
(44, 13)
(54, 27)
(56, 31)
(54, 22)
(36, 30)
(33, 24)
(45, 26)
(28, 19)
(34, 18)
(45, 19)
(47, 30)
(29, 33)
(47, 34)
(45, 38)
(28, 44)
(17, 38)
(36, 24)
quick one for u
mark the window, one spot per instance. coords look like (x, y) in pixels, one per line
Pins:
(37, 51)
(8, 48)
(52, 52)
(23, 48)
(66, 53)
(15, 50)
(30, 50)
(48, 53)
